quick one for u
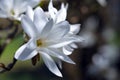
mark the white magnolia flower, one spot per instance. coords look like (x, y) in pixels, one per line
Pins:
(46, 39)
(14, 8)
(59, 16)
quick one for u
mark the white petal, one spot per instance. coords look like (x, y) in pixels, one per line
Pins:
(63, 6)
(52, 10)
(61, 15)
(40, 19)
(30, 12)
(28, 26)
(32, 43)
(46, 29)
(24, 53)
(6, 5)
(51, 64)
(59, 62)
(67, 50)
(47, 14)
(33, 3)
(60, 44)
(63, 42)
(76, 38)
(59, 30)
(74, 29)
(20, 5)
(58, 54)
(3, 14)
(73, 45)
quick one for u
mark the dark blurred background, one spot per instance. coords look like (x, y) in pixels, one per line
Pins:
(97, 58)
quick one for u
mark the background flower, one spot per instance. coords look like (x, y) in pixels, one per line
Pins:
(14, 8)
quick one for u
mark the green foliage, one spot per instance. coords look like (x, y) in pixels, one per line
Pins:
(10, 49)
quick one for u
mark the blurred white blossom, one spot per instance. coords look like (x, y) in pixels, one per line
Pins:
(102, 2)
(46, 38)
(14, 8)
(88, 32)
(103, 60)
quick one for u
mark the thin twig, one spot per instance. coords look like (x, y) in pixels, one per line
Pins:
(9, 67)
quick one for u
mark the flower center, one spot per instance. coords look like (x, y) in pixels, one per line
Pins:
(39, 43)
(12, 12)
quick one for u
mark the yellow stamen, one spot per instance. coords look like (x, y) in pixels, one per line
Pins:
(39, 43)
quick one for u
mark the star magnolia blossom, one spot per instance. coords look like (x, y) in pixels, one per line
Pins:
(46, 39)
(60, 15)
(14, 8)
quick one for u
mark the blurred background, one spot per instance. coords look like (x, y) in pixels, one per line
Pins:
(97, 58)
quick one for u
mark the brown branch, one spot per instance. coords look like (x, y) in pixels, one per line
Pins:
(9, 67)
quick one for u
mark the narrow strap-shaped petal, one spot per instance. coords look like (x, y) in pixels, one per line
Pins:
(62, 14)
(74, 37)
(50, 64)
(40, 19)
(30, 12)
(58, 54)
(64, 6)
(74, 29)
(60, 43)
(64, 41)
(32, 43)
(73, 45)
(52, 11)
(59, 30)
(25, 53)
(59, 62)
(67, 50)
(46, 29)
(28, 26)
